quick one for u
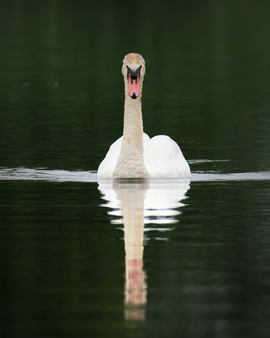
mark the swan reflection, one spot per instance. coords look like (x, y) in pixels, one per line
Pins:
(136, 203)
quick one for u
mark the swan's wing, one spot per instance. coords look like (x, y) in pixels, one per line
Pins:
(107, 166)
(164, 159)
(146, 138)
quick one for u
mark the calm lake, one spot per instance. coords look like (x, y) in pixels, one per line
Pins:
(157, 258)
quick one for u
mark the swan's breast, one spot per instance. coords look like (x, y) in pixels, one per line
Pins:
(107, 166)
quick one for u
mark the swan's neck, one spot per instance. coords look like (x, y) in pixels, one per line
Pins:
(130, 163)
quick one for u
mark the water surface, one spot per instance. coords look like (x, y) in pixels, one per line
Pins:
(144, 258)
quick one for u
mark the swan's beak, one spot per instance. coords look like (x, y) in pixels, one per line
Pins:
(133, 82)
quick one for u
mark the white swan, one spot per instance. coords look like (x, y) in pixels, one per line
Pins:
(135, 155)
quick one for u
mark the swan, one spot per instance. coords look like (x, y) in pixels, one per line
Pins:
(135, 155)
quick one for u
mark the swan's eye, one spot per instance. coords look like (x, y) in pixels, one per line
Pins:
(134, 74)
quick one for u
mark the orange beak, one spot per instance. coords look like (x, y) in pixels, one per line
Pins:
(133, 87)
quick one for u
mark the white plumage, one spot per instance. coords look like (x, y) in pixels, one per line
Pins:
(162, 156)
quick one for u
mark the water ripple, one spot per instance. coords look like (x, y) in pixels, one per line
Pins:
(43, 174)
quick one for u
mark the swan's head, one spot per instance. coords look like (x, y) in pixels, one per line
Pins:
(133, 71)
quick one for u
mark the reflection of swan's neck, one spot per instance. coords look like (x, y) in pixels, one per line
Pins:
(131, 197)
(135, 288)
(132, 208)
(133, 217)
(131, 162)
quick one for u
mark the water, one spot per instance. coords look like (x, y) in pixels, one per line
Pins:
(89, 258)
(144, 258)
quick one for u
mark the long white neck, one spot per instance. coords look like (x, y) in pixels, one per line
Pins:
(130, 163)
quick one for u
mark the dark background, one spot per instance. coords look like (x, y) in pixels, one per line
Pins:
(207, 83)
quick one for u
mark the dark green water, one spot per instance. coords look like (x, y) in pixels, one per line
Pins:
(188, 259)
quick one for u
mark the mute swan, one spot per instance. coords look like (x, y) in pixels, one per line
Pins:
(135, 155)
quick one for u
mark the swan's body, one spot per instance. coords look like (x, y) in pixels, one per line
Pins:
(162, 158)
(135, 155)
